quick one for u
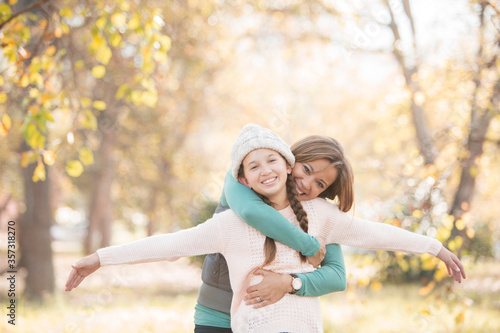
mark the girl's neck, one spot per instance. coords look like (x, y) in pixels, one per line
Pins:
(281, 205)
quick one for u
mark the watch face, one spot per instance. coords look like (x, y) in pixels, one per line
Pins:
(297, 283)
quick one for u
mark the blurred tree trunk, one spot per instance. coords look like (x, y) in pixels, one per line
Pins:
(34, 235)
(410, 69)
(101, 205)
(480, 116)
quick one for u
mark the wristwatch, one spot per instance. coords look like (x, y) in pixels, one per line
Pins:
(296, 283)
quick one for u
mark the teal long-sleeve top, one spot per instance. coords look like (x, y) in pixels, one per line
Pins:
(330, 277)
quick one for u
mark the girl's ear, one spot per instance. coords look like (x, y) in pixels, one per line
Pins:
(244, 181)
(288, 169)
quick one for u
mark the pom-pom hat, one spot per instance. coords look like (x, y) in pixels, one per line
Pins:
(253, 137)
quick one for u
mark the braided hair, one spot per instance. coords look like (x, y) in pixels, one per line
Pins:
(300, 214)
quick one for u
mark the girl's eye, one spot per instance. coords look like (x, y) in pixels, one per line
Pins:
(272, 160)
(253, 167)
(306, 169)
(320, 185)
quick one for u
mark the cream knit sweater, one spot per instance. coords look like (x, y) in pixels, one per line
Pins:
(242, 246)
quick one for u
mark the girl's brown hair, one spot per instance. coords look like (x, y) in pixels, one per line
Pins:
(300, 214)
(317, 147)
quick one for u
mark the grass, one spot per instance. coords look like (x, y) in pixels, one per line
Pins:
(160, 297)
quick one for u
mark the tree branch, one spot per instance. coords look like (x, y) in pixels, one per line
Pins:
(27, 9)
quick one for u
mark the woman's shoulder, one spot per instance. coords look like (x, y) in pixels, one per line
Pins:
(320, 204)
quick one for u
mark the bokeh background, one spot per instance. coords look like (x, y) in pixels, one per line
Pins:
(117, 119)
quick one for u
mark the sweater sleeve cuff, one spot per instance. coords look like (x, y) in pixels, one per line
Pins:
(435, 247)
(105, 257)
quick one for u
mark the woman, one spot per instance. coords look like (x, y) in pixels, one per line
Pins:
(321, 170)
(228, 234)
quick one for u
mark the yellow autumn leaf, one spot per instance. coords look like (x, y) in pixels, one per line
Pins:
(417, 214)
(25, 81)
(7, 122)
(424, 291)
(460, 318)
(363, 281)
(49, 157)
(86, 102)
(376, 286)
(74, 168)
(89, 120)
(103, 54)
(2, 81)
(134, 22)
(119, 20)
(51, 50)
(66, 12)
(3, 131)
(3, 97)
(79, 64)
(99, 105)
(98, 71)
(39, 173)
(12, 2)
(86, 156)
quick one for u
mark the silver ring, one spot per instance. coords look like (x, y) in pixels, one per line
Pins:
(259, 299)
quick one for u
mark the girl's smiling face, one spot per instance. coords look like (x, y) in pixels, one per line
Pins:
(266, 171)
(312, 178)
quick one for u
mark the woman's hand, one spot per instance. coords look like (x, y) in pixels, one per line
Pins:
(270, 290)
(453, 264)
(316, 260)
(81, 270)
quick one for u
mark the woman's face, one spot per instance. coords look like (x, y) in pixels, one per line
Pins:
(265, 171)
(312, 178)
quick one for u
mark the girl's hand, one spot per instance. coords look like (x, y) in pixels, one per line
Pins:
(270, 290)
(316, 260)
(81, 270)
(452, 263)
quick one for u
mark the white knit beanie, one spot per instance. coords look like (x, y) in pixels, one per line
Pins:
(253, 137)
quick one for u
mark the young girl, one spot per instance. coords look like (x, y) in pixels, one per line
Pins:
(321, 170)
(265, 171)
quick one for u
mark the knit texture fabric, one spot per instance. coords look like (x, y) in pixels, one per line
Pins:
(242, 246)
(253, 137)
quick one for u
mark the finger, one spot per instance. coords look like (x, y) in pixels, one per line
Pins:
(253, 288)
(461, 266)
(252, 301)
(251, 295)
(448, 268)
(75, 282)
(262, 304)
(71, 276)
(260, 271)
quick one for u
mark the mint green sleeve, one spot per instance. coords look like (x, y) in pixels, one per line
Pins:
(329, 278)
(247, 205)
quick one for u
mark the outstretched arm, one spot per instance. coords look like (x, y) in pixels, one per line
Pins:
(247, 205)
(203, 239)
(348, 230)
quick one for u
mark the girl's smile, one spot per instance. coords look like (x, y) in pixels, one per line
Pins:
(266, 171)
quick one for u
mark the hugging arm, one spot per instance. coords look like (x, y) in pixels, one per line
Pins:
(247, 205)
(329, 278)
